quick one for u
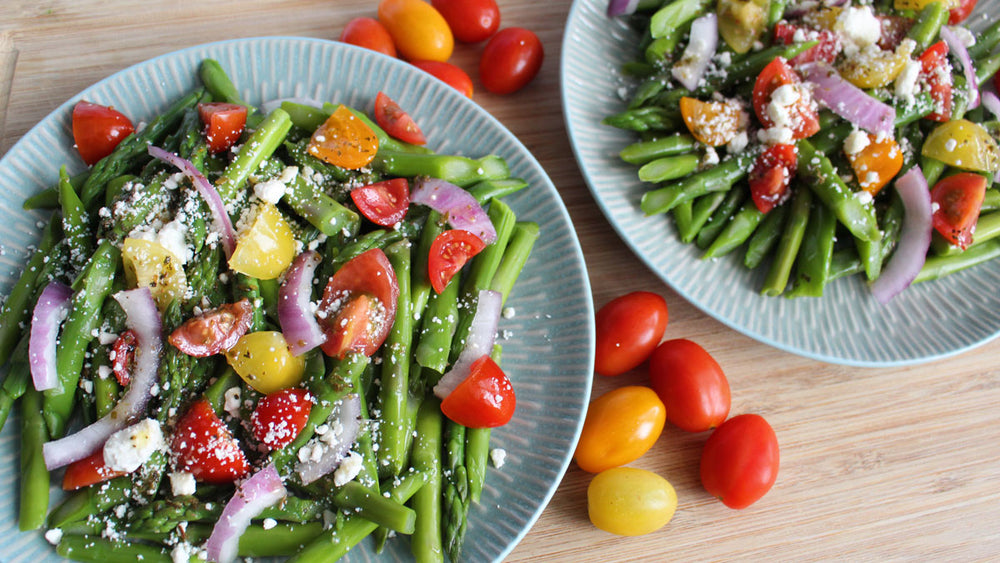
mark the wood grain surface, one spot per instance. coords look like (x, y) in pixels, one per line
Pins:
(877, 464)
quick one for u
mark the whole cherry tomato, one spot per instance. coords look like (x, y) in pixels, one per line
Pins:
(510, 60)
(621, 425)
(449, 74)
(628, 328)
(418, 29)
(740, 461)
(629, 501)
(691, 385)
(370, 34)
(471, 21)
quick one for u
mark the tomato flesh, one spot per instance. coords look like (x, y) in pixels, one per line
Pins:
(691, 385)
(739, 463)
(123, 352)
(98, 129)
(449, 252)
(203, 446)
(448, 73)
(957, 201)
(934, 69)
(88, 471)
(370, 274)
(510, 60)
(397, 122)
(471, 21)
(213, 331)
(802, 113)
(484, 399)
(628, 328)
(959, 13)
(383, 203)
(224, 123)
(771, 176)
(620, 427)
(826, 50)
(368, 33)
(279, 417)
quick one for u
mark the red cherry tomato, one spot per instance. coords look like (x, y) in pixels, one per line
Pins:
(771, 176)
(691, 385)
(397, 122)
(485, 399)
(449, 253)
(957, 201)
(383, 203)
(359, 305)
(449, 74)
(123, 357)
(931, 60)
(471, 21)
(803, 115)
(370, 34)
(510, 60)
(620, 427)
(280, 416)
(827, 49)
(97, 130)
(958, 14)
(224, 123)
(213, 331)
(739, 464)
(87, 471)
(628, 328)
(203, 446)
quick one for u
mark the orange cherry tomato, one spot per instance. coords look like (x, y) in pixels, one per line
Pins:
(370, 34)
(344, 140)
(628, 328)
(877, 163)
(419, 31)
(449, 74)
(621, 426)
(712, 123)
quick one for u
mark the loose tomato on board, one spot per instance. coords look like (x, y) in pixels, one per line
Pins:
(628, 501)
(383, 203)
(621, 425)
(628, 328)
(691, 385)
(397, 122)
(213, 331)
(368, 33)
(771, 176)
(485, 399)
(960, 12)
(739, 463)
(471, 21)
(344, 140)
(802, 112)
(98, 129)
(449, 252)
(957, 201)
(279, 417)
(203, 446)
(224, 123)
(933, 69)
(369, 283)
(510, 60)
(87, 471)
(448, 73)
(419, 31)
(123, 356)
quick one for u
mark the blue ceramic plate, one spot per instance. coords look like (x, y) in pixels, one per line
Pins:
(928, 321)
(548, 344)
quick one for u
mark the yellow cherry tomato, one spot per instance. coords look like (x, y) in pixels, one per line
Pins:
(712, 123)
(963, 144)
(264, 361)
(344, 140)
(630, 502)
(874, 67)
(621, 425)
(741, 22)
(877, 163)
(419, 31)
(265, 249)
(150, 264)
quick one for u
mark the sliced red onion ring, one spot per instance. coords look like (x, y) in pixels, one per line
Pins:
(955, 45)
(207, 191)
(334, 444)
(992, 103)
(849, 101)
(914, 238)
(295, 310)
(704, 39)
(262, 490)
(621, 7)
(460, 209)
(143, 318)
(52, 307)
(482, 335)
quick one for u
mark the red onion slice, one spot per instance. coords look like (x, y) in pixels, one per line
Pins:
(295, 309)
(52, 307)
(262, 490)
(955, 45)
(459, 208)
(326, 451)
(914, 238)
(207, 191)
(482, 335)
(143, 318)
(704, 39)
(622, 7)
(849, 101)
(992, 103)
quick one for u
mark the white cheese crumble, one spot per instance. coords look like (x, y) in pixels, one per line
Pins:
(53, 536)
(273, 190)
(498, 456)
(127, 449)
(858, 27)
(856, 142)
(905, 85)
(269, 523)
(232, 401)
(182, 483)
(348, 469)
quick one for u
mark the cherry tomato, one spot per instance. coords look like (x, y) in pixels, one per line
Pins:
(123, 356)
(510, 60)
(932, 61)
(771, 176)
(203, 446)
(397, 122)
(370, 34)
(630, 502)
(97, 130)
(264, 361)
(213, 331)
(827, 49)
(691, 385)
(802, 113)
(279, 417)
(876, 164)
(712, 123)
(628, 328)
(418, 29)
(344, 140)
(621, 425)
(485, 399)
(370, 278)
(957, 201)
(958, 13)
(448, 73)
(87, 471)
(963, 144)
(224, 123)
(449, 253)
(471, 21)
(739, 463)
(383, 203)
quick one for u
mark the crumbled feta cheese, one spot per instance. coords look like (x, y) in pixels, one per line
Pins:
(508, 312)
(738, 143)
(710, 158)
(182, 483)
(53, 536)
(171, 237)
(127, 449)
(856, 142)
(232, 401)
(858, 27)
(905, 85)
(498, 456)
(273, 190)
(269, 523)
(348, 469)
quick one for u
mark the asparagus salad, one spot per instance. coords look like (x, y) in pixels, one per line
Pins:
(819, 139)
(261, 332)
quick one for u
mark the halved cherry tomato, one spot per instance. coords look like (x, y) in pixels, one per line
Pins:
(213, 331)
(628, 328)
(691, 385)
(826, 50)
(368, 33)
(123, 356)
(471, 21)
(383, 203)
(264, 361)
(87, 471)
(621, 426)
(959, 13)
(418, 29)
(963, 144)
(741, 22)
(510, 60)
(449, 253)
(485, 399)
(876, 164)
(712, 123)
(397, 122)
(802, 113)
(448, 73)
(98, 129)
(934, 69)
(224, 123)
(739, 463)
(368, 274)
(957, 201)
(894, 30)
(279, 417)
(344, 140)
(771, 175)
(203, 446)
